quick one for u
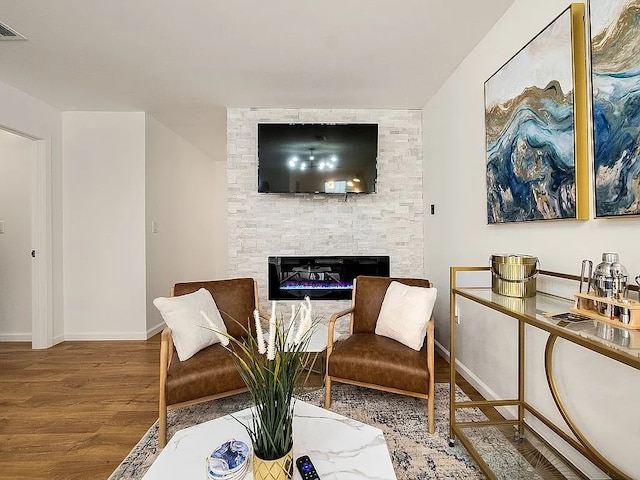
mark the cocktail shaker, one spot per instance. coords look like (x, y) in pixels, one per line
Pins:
(609, 280)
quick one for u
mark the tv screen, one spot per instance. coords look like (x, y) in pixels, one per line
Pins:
(317, 158)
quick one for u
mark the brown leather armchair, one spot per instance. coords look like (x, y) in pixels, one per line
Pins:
(373, 361)
(210, 373)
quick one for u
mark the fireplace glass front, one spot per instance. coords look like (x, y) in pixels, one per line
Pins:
(321, 278)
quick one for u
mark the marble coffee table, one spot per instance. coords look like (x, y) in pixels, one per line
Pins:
(340, 448)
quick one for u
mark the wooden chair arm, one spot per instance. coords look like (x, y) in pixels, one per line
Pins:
(166, 349)
(431, 349)
(332, 324)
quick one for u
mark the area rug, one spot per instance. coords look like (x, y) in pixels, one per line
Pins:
(415, 454)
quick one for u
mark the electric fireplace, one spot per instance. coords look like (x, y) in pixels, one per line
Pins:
(321, 278)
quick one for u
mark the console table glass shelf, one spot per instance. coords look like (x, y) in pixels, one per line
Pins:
(516, 451)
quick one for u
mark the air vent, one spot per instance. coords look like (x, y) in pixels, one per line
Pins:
(7, 33)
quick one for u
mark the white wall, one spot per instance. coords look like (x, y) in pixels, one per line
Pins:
(104, 214)
(33, 118)
(16, 157)
(185, 197)
(389, 222)
(104, 219)
(604, 395)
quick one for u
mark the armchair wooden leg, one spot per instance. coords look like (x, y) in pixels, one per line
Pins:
(430, 414)
(327, 391)
(162, 424)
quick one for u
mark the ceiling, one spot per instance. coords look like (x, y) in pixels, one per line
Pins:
(185, 61)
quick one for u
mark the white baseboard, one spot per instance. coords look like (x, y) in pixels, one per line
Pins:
(15, 337)
(442, 351)
(482, 388)
(155, 330)
(102, 336)
(25, 337)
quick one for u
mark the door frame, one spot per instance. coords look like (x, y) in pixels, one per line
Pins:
(41, 240)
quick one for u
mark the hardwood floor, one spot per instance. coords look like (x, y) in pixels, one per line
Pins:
(74, 411)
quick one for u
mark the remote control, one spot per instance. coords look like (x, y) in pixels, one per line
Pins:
(306, 468)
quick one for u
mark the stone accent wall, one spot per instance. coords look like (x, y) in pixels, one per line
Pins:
(389, 222)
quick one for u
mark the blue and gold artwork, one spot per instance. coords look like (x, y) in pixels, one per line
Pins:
(530, 131)
(615, 53)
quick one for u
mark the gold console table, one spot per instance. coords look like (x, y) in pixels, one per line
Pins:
(524, 444)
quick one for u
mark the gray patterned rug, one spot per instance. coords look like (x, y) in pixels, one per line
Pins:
(415, 454)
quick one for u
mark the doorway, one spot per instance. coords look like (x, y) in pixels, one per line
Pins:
(23, 307)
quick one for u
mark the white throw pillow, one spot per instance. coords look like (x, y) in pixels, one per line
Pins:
(185, 316)
(405, 313)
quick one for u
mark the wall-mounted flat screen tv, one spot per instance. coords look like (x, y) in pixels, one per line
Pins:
(317, 158)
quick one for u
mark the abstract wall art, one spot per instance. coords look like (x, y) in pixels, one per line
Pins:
(536, 128)
(615, 73)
